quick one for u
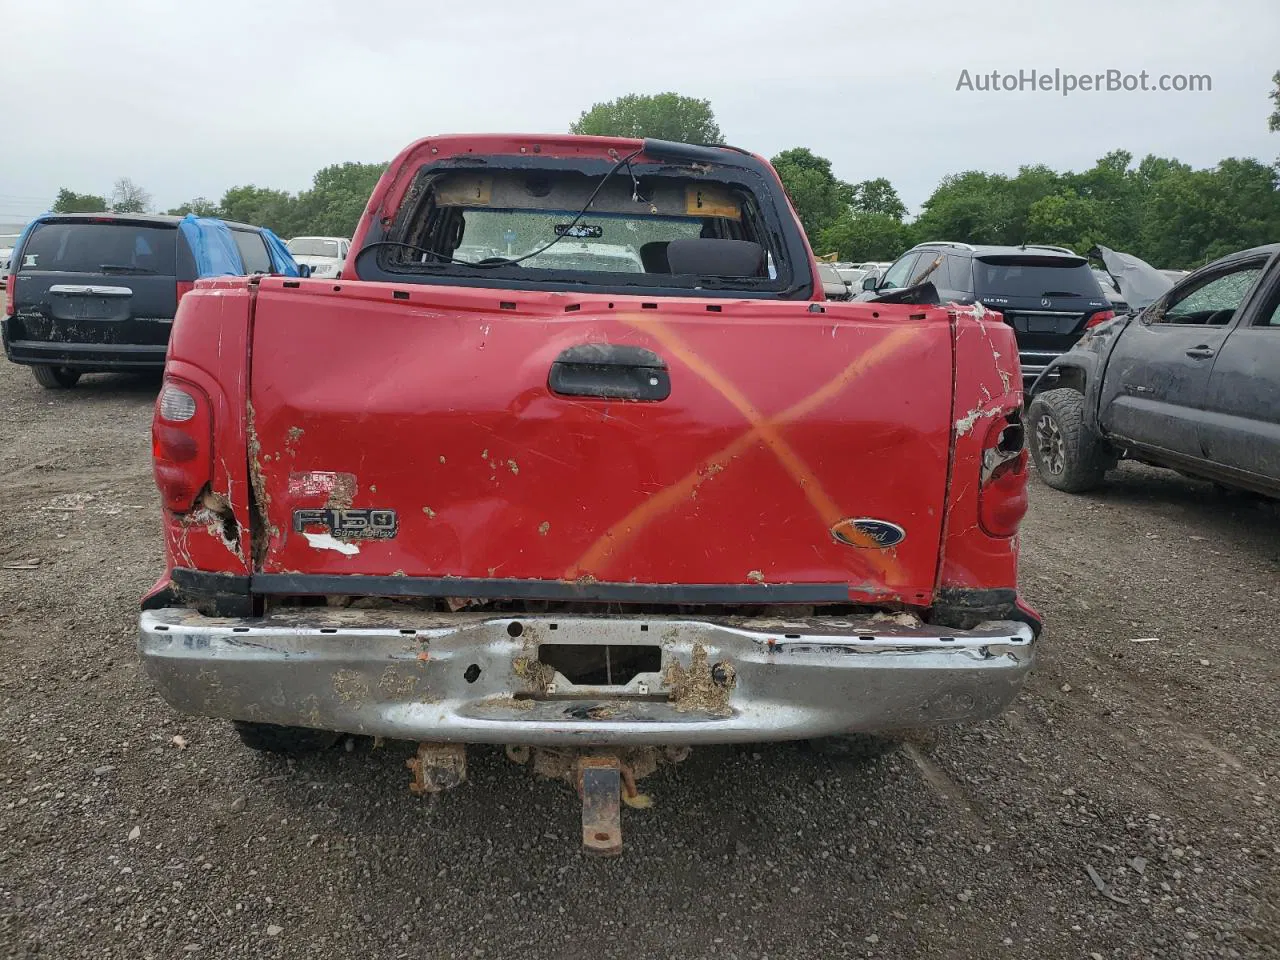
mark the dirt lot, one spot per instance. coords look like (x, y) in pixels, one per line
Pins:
(1153, 763)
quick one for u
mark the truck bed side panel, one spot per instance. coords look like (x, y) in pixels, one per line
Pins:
(988, 387)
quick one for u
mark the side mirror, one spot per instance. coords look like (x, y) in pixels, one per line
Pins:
(871, 282)
(304, 270)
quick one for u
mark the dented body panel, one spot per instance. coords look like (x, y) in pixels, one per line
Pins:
(210, 351)
(738, 477)
(988, 390)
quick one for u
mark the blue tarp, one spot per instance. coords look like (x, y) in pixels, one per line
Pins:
(22, 240)
(212, 245)
(281, 259)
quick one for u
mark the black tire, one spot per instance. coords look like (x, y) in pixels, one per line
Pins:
(288, 741)
(854, 747)
(55, 378)
(1068, 455)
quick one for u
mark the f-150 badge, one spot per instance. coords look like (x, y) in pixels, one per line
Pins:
(349, 524)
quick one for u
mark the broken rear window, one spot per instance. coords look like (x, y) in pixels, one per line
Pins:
(647, 225)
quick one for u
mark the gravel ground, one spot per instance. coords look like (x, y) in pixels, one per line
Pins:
(128, 830)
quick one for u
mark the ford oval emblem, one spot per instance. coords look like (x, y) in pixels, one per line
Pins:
(869, 533)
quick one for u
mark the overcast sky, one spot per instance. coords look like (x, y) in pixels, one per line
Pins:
(189, 98)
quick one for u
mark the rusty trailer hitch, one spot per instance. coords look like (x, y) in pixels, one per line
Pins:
(600, 786)
(604, 780)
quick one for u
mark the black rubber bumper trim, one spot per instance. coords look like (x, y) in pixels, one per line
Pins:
(498, 589)
(87, 356)
(966, 607)
(216, 594)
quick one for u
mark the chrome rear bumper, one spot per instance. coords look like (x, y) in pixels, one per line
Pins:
(475, 678)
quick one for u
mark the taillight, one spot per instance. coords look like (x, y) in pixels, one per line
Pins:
(10, 295)
(184, 287)
(1002, 494)
(182, 443)
(1102, 316)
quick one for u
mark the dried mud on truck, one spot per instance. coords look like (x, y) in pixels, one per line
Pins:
(576, 459)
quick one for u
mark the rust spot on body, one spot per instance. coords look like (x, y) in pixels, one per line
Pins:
(261, 529)
(343, 492)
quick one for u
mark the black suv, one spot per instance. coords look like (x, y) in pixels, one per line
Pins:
(95, 292)
(1047, 294)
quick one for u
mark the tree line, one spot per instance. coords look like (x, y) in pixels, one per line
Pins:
(1158, 208)
(329, 208)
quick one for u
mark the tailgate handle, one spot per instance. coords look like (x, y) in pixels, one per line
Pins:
(611, 372)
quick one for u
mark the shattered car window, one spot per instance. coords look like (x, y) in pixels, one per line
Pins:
(604, 243)
(649, 225)
(1216, 301)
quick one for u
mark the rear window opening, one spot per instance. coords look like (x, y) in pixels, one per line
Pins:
(643, 228)
(116, 248)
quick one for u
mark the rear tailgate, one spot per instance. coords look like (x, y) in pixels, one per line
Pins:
(780, 426)
(105, 282)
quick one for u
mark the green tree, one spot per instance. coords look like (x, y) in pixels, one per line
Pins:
(128, 197)
(337, 198)
(878, 196)
(663, 116)
(865, 235)
(970, 207)
(262, 207)
(69, 201)
(1068, 219)
(819, 198)
(1193, 216)
(1273, 121)
(197, 205)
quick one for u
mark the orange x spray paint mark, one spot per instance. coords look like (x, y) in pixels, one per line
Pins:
(765, 430)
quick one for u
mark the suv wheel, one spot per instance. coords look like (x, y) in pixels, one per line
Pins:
(289, 741)
(55, 378)
(1068, 455)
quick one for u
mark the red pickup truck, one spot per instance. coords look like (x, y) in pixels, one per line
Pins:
(621, 479)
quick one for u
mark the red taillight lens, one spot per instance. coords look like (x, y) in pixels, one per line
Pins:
(1002, 497)
(184, 287)
(1102, 316)
(10, 295)
(182, 443)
